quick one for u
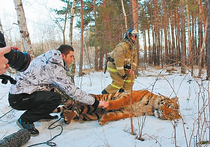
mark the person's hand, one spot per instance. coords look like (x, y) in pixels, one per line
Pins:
(3, 60)
(130, 71)
(103, 104)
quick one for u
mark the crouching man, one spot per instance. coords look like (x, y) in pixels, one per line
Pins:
(33, 90)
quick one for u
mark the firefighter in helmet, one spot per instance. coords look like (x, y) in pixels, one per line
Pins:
(122, 63)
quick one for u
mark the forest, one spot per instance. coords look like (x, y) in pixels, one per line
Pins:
(171, 32)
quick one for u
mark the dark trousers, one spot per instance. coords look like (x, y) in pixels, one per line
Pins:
(37, 105)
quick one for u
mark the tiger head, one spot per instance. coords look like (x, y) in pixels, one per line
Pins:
(167, 108)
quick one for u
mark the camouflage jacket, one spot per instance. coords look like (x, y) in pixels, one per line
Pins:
(45, 72)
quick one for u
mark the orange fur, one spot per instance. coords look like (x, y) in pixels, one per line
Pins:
(143, 103)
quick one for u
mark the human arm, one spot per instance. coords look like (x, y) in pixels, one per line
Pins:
(58, 78)
(119, 59)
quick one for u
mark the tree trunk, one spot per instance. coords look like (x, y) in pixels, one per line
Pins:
(208, 40)
(73, 66)
(172, 57)
(23, 27)
(165, 25)
(183, 55)
(136, 24)
(81, 50)
(125, 16)
(155, 46)
(189, 41)
(65, 21)
(203, 18)
(178, 38)
(96, 35)
(71, 21)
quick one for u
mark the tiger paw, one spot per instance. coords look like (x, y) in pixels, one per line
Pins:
(68, 116)
(102, 121)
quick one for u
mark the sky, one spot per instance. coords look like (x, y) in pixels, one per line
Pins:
(192, 93)
(39, 19)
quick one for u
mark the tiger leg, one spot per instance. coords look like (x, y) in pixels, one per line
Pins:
(125, 100)
(68, 116)
(88, 113)
(89, 117)
(79, 111)
(112, 116)
(68, 105)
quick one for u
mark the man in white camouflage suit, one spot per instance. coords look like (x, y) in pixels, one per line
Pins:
(33, 90)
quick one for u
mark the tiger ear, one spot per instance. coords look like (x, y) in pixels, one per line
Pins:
(175, 99)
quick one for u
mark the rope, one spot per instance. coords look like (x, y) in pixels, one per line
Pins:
(6, 113)
(49, 142)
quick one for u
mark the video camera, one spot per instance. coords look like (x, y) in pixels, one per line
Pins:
(17, 59)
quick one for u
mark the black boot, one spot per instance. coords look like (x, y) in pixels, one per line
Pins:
(121, 90)
(104, 92)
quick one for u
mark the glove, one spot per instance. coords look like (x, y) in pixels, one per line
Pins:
(125, 76)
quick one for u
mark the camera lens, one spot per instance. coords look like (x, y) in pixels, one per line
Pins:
(18, 60)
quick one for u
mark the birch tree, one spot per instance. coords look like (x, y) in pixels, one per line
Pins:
(71, 21)
(23, 27)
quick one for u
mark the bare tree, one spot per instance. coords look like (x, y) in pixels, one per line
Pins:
(201, 11)
(125, 16)
(208, 39)
(183, 55)
(81, 50)
(96, 35)
(23, 27)
(189, 40)
(71, 21)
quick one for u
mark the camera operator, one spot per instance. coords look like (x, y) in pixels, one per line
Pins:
(11, 57)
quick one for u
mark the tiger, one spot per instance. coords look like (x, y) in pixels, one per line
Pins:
(144, 102)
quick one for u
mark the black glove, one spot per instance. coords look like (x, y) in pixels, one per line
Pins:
(125, 76)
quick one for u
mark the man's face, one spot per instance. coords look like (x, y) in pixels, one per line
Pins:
(133, 37)
(69, 58)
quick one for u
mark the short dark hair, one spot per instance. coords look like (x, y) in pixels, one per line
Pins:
(65, 49)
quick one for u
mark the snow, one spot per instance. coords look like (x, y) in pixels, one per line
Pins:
(193, 100)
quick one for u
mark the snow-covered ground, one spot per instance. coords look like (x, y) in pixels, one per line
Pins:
(192, 94)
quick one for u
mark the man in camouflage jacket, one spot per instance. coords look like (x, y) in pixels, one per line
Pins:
(121, 64)
(33, 91)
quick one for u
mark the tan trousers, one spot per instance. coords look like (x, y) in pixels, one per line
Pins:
(118, 82)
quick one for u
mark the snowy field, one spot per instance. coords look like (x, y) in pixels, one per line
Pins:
(192, 94)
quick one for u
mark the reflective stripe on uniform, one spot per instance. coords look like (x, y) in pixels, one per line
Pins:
(115, 86)
(134, 64)
(128, 59)
(120, 68)
(111, 69)
(128, 81)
